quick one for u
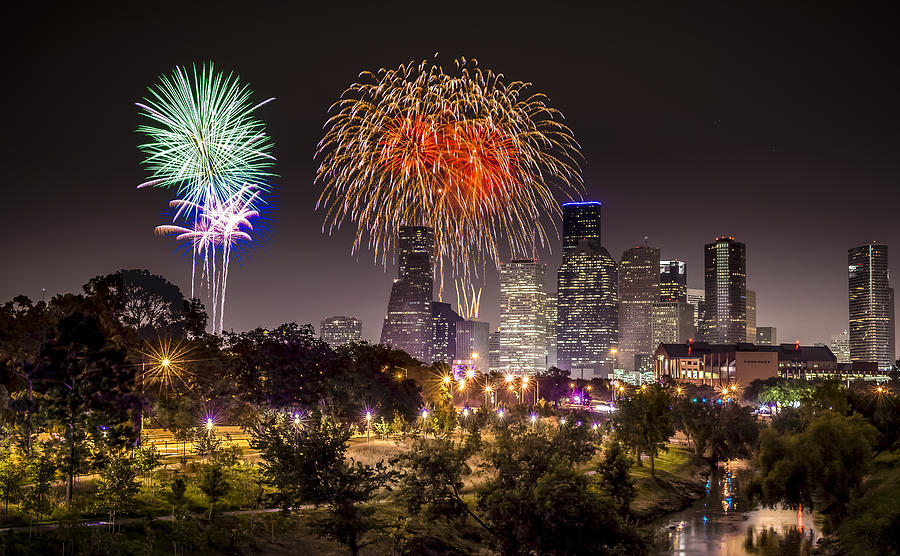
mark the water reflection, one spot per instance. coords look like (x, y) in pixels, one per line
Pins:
(725, 523)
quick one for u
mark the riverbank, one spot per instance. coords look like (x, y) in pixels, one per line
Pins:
(680, 480)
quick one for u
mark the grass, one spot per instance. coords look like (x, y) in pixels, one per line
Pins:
(680, 479)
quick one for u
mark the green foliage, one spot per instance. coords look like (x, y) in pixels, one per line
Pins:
(613, 478)
(12, 477)
(213, 484)
(117, 486)
(785, 393)
(644, 422)
(431, 479)
(822, 467)
(872, 525)
(40, 470)
(719, 431)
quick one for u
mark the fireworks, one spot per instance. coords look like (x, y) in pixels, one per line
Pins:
(467, 154)
(206, 145)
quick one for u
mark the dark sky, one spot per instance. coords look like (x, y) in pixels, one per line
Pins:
(778, 126)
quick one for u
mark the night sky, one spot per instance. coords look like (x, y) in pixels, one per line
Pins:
(777, 126)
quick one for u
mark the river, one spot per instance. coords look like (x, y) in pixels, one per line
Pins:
(724, 523)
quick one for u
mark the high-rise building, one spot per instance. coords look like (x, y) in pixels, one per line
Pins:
(494, 352)
(840, 346)
(408, 323)
(523, 323)
(638, 290)
(871, 310)
(697, 297)
(751, 316)
(672, 322)
(443, 332)
(672, 281)
(472, 343)
(587, 323)
(551, 314)
(725, 308)
(767, 336)
(336, 331)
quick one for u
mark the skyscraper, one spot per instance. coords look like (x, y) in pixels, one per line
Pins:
(766, 336)
(751, 315)
(551, 315)
(408, 323)
(840, 346)
(672, 281)
(725, 307)
(638, 290)
(443, 332)
(523, 323)
(871, 311)
(472, 343)
(494, 352)
(336, 331)
(697, 297)
(587, 323)
(672, 322)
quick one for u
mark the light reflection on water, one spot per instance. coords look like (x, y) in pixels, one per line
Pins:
(724, 524)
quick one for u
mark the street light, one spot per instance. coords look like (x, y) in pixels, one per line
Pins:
(209, 425)
(368, 424)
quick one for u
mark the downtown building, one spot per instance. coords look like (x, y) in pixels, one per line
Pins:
(444, 321)
(751, 316)
(473, 344)
(673, 281)
(840, 346)
(638, 291)
(768, 336)
(587, 303)
(340, 330)
(697, 298)
(725, 279)
(672, 322)
(871, 305)
(523, 322)
(408, 323)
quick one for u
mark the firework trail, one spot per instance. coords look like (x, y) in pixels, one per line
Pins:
(466, 153)
(204, 143)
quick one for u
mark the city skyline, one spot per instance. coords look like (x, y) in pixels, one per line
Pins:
(685, 120)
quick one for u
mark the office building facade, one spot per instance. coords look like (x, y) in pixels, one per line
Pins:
(523, 322)
(587, 323)
(870, 307)
(638, 290)
(473, 344)
(408, 323)
(672, 322)
(696, 297)
(494, 352)
(725, 305)
(751, 316)
(443, 332)
(551, 314)
(339, 330)
(672, 281)
(766, 336)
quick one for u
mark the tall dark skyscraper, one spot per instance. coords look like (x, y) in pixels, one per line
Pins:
(672, 281)
(725, 304)
(408, 324)
(638, 290)
(871, 305)
(443, 332)
(587, 325)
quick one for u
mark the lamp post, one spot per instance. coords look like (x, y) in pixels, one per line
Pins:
(368, 424)
(524, 387)
(488, 391)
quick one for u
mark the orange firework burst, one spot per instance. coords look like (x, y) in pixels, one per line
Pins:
(474, 158)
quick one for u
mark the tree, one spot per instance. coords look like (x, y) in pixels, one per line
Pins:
(613, 478)
(307, 464)
(39, 476)
(720, 431)
(785, 392)
(146, 459)
(213, 484)
(117, 487)
(12, 475)
(554, 384)
(86, 389)
(431, 480)
(538, 503)
(821, 468)
(644, 422)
